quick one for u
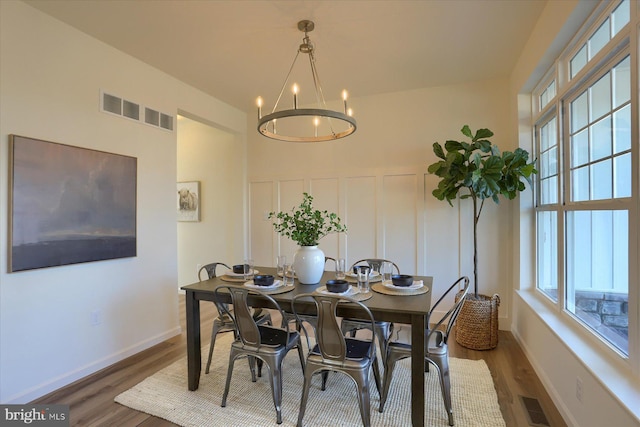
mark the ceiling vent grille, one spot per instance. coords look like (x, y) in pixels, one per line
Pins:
(113, 104)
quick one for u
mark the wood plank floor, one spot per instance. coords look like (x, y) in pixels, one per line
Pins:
(91, 399)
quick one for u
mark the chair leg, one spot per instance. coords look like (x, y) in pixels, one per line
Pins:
(228, 382)
(364, 400)
(214, 334)
(389, 366)
(305, 394)
(301, 356)
(252, 368)
(276, 388)
(325, 377)
(442, 366)
(376, 375)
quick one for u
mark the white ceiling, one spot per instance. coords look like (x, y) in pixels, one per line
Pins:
(236, 50)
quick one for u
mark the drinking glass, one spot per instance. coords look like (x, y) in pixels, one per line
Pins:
(363, 280)
(340, 268)
(248, 269)
(288, 275)
(280, 262)
(387, 271)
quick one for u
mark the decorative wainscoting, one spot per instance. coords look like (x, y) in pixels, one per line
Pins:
(389, 214)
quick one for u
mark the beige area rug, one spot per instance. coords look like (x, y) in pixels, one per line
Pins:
(165, 395)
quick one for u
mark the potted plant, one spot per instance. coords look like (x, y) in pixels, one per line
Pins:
(482, 172)
(306, 226)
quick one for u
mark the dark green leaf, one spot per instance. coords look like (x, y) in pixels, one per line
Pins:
(437, 149)
(482, 134)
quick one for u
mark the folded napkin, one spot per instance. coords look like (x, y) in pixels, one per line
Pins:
(417, 284)
(276, 284)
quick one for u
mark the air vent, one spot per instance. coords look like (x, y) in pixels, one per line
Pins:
(166, 121)
(534, 412)
(151, 117)
(113, 104)
(131, 110)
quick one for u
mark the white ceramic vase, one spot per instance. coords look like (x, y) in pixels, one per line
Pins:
(308, 262)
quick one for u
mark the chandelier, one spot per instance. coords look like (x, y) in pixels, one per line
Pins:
(306, 124)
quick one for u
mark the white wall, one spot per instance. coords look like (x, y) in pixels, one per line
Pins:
(377, 181)
(215, 158)
(50, 79)
(560, 350)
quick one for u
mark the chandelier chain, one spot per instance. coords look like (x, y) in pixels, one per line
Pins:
(286, 80)
(318, 87)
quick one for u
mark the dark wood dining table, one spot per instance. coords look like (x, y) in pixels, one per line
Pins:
(407, 309)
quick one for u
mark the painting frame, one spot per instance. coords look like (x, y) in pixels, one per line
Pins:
(69, 205)
(188, 201)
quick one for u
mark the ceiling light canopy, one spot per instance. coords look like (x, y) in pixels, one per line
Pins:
(306, 124)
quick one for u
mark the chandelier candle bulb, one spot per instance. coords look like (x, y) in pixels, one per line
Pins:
(344, 98)
(295, 96)
(316, 122)
(259, 102)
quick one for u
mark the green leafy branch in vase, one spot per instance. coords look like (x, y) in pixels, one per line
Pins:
(306, 225)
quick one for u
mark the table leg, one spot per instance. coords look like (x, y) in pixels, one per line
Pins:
(194, 362)
(417, 370)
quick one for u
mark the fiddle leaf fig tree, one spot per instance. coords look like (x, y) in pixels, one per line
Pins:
(479, 171)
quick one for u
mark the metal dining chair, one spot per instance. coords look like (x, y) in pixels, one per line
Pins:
(436, 350)
(335, 352)
(223, 323)
(265, 342)
(382, 330)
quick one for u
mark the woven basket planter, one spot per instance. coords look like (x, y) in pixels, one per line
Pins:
(477, 323)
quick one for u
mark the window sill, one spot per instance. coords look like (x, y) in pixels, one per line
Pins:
(610, 370)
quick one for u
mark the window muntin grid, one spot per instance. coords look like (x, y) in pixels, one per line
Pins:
(611, 26)
(600, 138)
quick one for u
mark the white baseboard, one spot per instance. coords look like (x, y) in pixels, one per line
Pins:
(79, 373)
(547, 383)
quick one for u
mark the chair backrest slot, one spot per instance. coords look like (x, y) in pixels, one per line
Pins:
(330, 338)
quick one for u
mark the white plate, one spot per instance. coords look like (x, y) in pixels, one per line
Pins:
(349, 292)
(276, 284)
(232, 274)
(417, 284)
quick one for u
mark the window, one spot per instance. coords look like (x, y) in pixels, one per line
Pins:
(585, 196)
(608, 29)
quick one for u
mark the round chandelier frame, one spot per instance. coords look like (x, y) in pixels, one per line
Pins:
(267, 124)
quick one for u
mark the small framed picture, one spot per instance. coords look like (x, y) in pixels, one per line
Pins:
(189, 201)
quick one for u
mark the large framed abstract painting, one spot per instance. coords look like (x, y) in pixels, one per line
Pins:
(69, 204)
